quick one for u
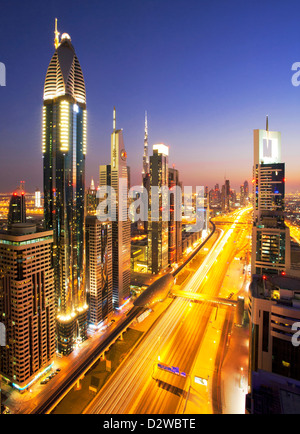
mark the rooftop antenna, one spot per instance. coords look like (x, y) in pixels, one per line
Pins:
(267, 123)
(56, 33)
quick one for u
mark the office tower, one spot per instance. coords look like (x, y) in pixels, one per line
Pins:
(37, 198)
(146, 155)
(64, 151)
(98, 269)
(17, 207)
(115, 176)
(175, 225)
(274, 361)
(91, 199)
(158, 243)
(270, 236)
(27, 302)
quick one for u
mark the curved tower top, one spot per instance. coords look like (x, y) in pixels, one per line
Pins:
(64, 75)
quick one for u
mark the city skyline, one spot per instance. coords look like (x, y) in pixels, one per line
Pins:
(158, 272)
(223, 93)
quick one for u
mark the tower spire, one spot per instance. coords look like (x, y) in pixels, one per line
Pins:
(56, 33)
(114, 119)
(267, 123)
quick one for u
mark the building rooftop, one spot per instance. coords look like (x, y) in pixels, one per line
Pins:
(282, 289)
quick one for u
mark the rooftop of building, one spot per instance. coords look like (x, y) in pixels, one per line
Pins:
(282, 289)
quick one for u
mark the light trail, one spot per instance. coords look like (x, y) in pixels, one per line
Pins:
(129, 383)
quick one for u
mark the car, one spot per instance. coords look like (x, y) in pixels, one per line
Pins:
(58, 370)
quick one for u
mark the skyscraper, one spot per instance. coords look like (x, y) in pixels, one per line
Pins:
(17, 207)
(158, 242)
(270, 236)
(115, 176)
(27, 303)
(64, 150)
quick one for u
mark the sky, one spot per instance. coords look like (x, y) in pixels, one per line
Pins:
(207, 72)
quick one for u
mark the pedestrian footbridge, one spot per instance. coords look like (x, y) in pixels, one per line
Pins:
(193, 296)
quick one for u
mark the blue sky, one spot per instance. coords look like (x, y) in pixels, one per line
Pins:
(207, 72)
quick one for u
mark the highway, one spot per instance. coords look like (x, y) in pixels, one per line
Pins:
(138, 386)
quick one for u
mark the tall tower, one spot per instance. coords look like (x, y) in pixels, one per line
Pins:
(145, 156)
(64, 150)
(270, 237)
(115, 175)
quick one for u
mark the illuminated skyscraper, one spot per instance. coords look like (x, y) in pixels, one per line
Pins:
(64, 150)
(115, 176)
(98, 269)
(17, 207)
(27, 302)
(270, 238)
(158, 239)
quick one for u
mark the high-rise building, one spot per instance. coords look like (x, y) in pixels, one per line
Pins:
(17, 207)
(270, 236)
(27, 303)
(91, 199)
(64, 151)
(246, 191)
(115, 176)
(98, 269)
(158, 242)
(175, 224)
(37, 198)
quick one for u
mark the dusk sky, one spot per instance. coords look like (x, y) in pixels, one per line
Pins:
(207, 72)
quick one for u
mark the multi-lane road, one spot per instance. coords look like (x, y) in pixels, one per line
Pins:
(138, 386)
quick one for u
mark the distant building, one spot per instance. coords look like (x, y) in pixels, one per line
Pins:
(98, 269)
(91, 199)
(27, 303)
(37, 198)
(17, 207)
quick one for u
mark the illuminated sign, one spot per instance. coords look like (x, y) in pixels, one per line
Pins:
(171, 369)
(267, 145)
